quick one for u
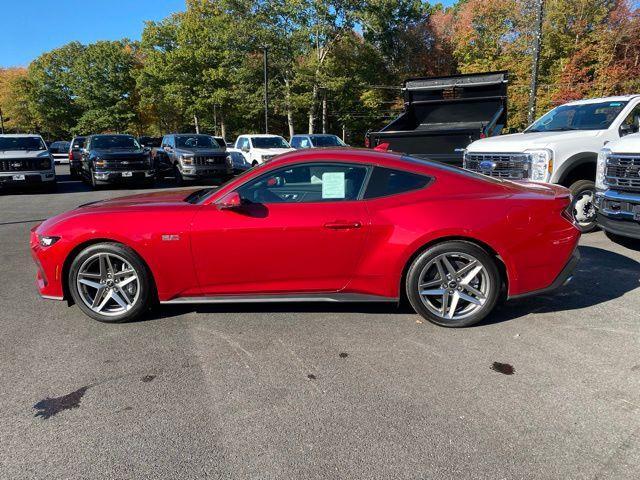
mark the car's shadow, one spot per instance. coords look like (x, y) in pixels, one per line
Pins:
(600, 276)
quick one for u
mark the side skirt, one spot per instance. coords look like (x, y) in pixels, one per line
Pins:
(310, 297)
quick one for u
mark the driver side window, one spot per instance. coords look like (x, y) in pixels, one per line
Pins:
(631, 124)
(326, 182)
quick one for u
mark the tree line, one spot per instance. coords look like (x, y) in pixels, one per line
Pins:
(334, 66)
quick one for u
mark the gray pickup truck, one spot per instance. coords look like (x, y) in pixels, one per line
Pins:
(25, 161)
(194, 157)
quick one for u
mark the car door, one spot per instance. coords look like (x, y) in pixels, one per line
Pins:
(299, 229)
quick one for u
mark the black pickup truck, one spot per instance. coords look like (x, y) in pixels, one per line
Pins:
(442, 115)
(115, 159)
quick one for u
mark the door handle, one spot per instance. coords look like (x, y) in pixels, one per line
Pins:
(342, 225)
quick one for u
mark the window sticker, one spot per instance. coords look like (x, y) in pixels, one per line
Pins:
(615, 104)
(333, 185)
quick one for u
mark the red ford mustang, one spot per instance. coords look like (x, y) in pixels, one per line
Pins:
(318, 225)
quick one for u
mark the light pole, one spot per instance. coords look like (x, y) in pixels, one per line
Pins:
(537, 40)
(265, 50)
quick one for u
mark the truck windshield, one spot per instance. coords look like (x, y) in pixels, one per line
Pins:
(269, 142)
(327, 141)
(196, 141)
(108, 142)
(586, 116)
(22, 143)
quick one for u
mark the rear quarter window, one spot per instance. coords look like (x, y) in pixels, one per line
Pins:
(386, 181)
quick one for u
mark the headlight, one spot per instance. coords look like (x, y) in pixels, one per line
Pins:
(601, 167)
(99, 163)
(45, 164)
(541, 164)
(47, 241)
(186, 160)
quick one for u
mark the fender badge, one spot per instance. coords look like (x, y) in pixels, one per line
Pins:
(170, 238)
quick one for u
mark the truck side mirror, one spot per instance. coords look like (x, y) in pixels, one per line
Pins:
(625, 129)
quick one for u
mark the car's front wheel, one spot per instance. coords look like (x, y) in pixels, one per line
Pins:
(583, 205)
(110, 283)
(453, 284)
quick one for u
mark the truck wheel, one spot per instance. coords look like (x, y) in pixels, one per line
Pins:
(453, 284)
(177, 175)
(583, 206)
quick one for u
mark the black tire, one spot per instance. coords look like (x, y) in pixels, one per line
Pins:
(586, 218)
(491, 283)
(178, 175)
(254, 163)
(144, 291)
(94, 183)
(51, 187)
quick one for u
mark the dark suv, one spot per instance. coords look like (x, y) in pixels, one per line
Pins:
(116, 158)
(195, 157)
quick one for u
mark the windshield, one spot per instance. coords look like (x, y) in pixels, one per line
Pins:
(196, 141)
(327, 141)
(108, 142)
(590, 116)
(22, 143)
(269, 142)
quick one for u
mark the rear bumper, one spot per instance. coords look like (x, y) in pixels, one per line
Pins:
(33, 178)
(564, 277)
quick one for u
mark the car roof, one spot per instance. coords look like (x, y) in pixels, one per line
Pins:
(617, 98)
(312, 135)
(20, 135)
(261, 135)
(111, 135)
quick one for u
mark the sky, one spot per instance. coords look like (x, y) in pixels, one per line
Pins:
(32, 27)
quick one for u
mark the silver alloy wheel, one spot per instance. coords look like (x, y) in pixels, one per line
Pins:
(584, 209)
(108, 284)
(454, 285)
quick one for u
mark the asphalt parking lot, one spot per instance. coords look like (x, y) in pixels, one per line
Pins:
(318, 391)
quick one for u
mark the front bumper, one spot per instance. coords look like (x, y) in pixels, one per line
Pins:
(616, 213)
(116, 176)
(32, 178)
(49, 261)
(195, 172)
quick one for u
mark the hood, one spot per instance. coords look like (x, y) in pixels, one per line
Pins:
(200, 151)
(518, 142)
(627, 144)
(161, 198)
(272, 151)
(116, 154)
(9, 154)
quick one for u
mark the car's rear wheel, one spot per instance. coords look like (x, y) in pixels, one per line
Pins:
(453, 284)
(583, 205)
(110, 283)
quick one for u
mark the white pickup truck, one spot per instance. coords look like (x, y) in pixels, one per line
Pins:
(560, 147)
(258, 149)
(618, 189)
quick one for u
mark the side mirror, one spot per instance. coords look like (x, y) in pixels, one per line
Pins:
(625, 129)
(230, 201)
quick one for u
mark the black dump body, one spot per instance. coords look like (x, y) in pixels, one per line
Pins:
(442, 115)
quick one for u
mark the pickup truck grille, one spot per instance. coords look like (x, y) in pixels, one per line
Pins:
(210, 160)
(511, 166)
(24, 164)
(623, 172)
(126, 165)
